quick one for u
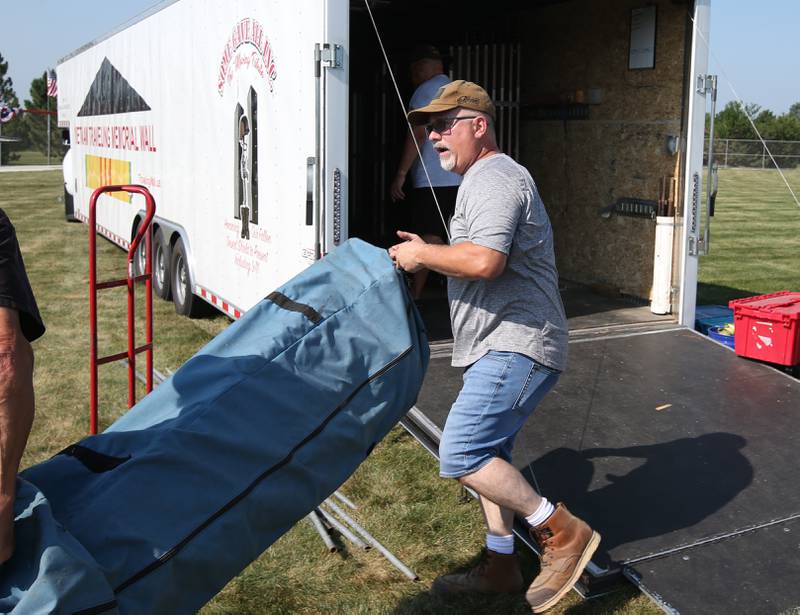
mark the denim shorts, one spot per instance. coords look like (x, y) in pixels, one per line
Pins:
(501, 390)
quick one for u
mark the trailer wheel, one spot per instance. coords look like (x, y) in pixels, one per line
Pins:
(186, 303)
(139, 257)
(162, 286)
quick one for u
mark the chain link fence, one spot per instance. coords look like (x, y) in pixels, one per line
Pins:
(752, 153)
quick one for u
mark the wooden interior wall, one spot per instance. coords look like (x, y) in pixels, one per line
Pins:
(570, 52)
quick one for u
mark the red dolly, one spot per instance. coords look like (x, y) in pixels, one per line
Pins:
(144, 231)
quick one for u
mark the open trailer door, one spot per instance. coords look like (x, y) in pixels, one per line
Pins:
(329, 168)
(701, 93)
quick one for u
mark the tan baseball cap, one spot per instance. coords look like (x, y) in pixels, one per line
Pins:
(455, 94)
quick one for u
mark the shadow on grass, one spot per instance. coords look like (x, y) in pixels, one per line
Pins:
(708, 294)
(425, 602)
(428, 604)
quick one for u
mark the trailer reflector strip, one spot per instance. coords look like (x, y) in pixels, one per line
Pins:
(219, 303)
(123, 243)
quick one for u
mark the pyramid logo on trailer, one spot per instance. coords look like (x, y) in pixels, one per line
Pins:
(111, 94)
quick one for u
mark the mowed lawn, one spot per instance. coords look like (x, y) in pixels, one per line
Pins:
(27, 156)
(755, 237)
(424, 520)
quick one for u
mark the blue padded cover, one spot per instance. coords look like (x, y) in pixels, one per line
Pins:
(159, 512)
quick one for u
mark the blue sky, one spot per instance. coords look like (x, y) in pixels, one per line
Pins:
(756, 43)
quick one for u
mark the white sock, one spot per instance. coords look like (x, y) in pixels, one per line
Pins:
(500, 544)
(541, 514)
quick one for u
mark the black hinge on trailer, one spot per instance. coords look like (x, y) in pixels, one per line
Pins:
(631, 207)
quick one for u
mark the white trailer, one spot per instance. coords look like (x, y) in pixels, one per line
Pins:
(266, 130)
(214, 108)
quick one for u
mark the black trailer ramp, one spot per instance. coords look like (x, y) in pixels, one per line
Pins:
(756, 571)
(684, 456)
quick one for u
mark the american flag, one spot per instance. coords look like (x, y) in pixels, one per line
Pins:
(52, 86)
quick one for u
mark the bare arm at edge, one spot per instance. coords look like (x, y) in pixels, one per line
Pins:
(407, 159)
(16, 417)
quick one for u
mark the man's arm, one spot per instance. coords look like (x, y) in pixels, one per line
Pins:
(464, 260)
(407, 159)
(16, 417)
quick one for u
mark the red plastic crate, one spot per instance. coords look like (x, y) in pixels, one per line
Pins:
(768, 327)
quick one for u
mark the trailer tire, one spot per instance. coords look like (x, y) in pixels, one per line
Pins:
(186, 302)
(139, 261)
(162, 266)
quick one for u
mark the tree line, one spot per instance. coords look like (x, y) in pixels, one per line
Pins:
(732, 122)
(745, 150)
(31, 129)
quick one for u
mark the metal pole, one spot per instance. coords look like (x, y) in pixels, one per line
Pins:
(312, 516)
(342, 529)
(93, 312)
(501, 110)
(517, 102)
(706, 237)
(345, 501)
(371, 540)
(145, 232)
(148, 292)
(48, 127)
(317, 148)
(131, 337)
(158, 377)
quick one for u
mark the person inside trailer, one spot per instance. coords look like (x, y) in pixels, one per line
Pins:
(427, 76)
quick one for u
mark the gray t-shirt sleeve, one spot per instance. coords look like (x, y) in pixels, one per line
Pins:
(493, 209)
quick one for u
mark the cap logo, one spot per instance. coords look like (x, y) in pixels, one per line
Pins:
(467, 100)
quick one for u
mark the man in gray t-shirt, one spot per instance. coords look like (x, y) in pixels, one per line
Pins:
(498, 207)
(510, 335)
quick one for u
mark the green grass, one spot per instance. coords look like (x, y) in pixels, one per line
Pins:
(755, 237)
(424, 520)
(56, 257)
(35, 157)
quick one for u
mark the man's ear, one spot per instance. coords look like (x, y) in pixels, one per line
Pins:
(481, 126)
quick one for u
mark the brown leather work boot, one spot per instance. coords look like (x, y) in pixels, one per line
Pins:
(567, 544)
(495, 573)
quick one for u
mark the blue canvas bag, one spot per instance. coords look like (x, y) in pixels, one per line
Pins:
(160, 511)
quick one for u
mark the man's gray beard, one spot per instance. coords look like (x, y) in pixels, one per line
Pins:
(448, 163)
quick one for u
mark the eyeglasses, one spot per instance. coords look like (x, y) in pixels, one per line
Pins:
(443, 125)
